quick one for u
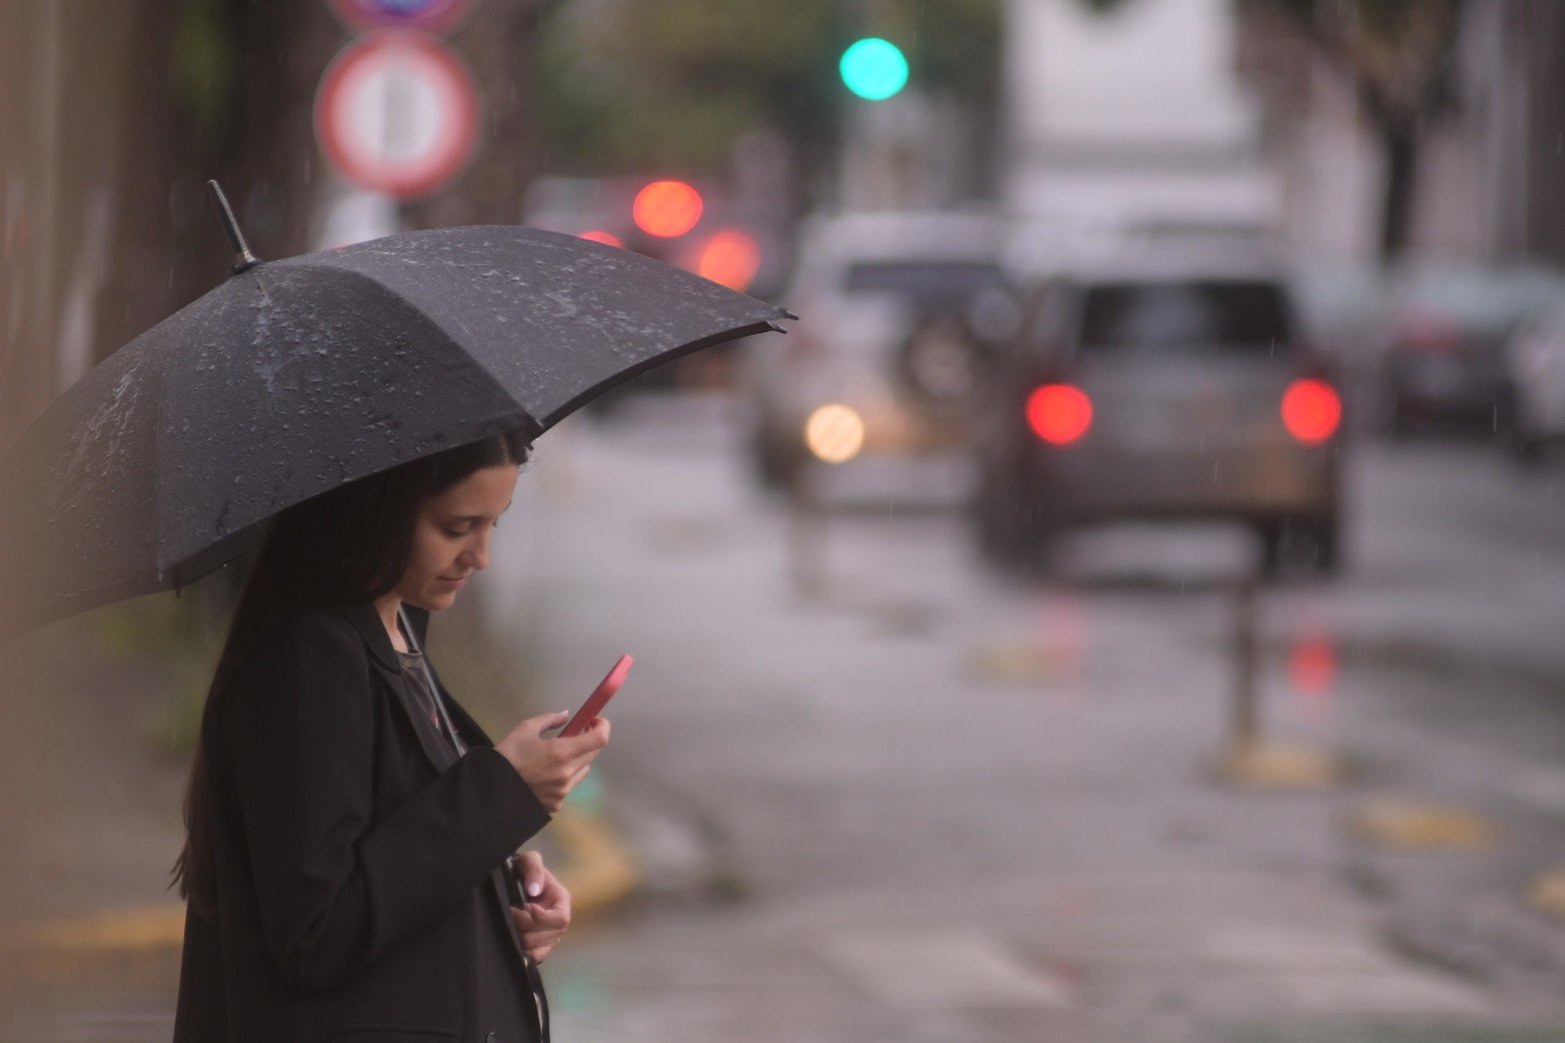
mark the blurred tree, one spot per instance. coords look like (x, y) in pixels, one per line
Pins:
(252, 68)
(500, 41)
(1399, 56)
(670, 87)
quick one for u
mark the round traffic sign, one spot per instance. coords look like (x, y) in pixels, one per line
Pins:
(432, 16)
(397, 112)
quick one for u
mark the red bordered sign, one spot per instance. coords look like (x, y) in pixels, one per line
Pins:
(397, 112)
(430, 16)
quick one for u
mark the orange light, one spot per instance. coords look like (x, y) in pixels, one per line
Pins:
(667, 209)
(730, 258)
(1311, 411)
(598, 235)
(1058, 413)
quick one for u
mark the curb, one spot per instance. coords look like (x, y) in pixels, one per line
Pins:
(594, 865)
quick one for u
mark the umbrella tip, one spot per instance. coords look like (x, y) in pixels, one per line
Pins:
(789, 315)
(243, 258)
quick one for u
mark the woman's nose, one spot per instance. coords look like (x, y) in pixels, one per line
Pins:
(478, 557)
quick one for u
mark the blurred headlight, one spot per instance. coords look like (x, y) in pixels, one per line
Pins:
(834, 433)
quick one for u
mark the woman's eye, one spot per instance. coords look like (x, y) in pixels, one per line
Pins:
(455, 534)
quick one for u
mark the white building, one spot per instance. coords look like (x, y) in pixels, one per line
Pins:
(1135, 116)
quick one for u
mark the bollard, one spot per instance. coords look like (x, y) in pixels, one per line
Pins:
(1245, 726)
(806, 534)
(1250, 761)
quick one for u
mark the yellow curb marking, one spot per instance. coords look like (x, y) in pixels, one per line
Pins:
(598, 870)
(138, 928)
(1408, 825)
(1266, 767)
(1015, 661)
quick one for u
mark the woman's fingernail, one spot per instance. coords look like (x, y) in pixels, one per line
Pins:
(534, 889)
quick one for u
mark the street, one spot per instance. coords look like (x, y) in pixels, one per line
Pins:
(926, 801)
(946, 804)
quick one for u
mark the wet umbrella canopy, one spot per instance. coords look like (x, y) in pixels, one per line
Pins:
(295, 376)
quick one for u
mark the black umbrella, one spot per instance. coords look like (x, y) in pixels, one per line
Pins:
(294, 376)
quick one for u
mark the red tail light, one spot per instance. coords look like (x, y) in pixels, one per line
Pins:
(1058, 413)
(1311, 411)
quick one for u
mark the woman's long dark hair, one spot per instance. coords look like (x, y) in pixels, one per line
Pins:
(341, 548)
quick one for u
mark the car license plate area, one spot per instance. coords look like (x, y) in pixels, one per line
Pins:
(1123, 480)
(1185, 423)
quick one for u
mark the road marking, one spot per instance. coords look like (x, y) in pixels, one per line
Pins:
(1262, 766)
(939, 970)
(1339, 972)
(1412, 825)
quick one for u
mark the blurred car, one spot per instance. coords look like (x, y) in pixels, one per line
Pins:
(1341, 304)
(1442, 342)
(1535, 366)
(898, 313)
(1161, 387)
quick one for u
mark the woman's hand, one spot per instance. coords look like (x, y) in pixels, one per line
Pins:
(542, 922)
(552, 767)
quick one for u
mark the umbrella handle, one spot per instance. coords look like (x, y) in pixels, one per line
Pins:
(243, 258)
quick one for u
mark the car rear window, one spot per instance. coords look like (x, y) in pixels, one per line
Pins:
(1483, 300)
(923, 279)
(1223, 314)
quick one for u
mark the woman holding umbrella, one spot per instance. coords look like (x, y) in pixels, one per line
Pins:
(348, 823)
(348, 868)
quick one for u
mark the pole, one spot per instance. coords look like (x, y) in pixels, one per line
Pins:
(806, 533)
(1245, 734)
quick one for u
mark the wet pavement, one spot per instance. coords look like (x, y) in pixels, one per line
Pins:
(957, 805)
(929, 801)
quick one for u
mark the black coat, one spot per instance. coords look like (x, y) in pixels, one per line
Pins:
(358, 898)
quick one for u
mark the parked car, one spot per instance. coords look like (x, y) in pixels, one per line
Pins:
(1163, 387)
(1535, 367)
(897, 314)
(1341, 304)
(1442, 342)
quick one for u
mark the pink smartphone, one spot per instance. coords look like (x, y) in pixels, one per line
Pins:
(598, 699)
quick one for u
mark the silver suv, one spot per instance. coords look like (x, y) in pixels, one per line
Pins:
(1162, 387)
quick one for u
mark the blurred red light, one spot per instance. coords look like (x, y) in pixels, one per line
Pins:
(1058, 413)
(1311, 411)
(667, 209)
(730, 258)
(1312, 665)
(598, 235)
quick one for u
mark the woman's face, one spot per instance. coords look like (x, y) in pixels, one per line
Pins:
(451, 536)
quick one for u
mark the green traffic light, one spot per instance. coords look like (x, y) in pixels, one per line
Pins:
(874, 69)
